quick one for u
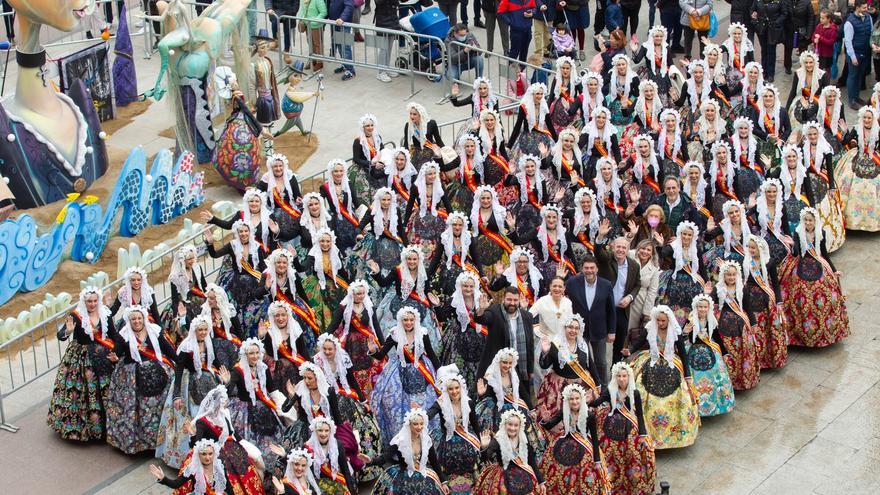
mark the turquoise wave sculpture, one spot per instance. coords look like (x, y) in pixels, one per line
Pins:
(29, 259)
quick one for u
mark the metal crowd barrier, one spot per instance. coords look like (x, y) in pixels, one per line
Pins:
(499, 69)
(35, 353)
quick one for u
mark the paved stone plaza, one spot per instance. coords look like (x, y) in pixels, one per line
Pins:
(810, 428)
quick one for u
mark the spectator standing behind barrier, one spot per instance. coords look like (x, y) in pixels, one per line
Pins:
(462, 58)
(630, 11)
(449, 9)
(543, 26)
(770, 17)
(670, 18)
(518, 14)
(695, 23)
(824, 38)
(613, 16)
(342, 11)
(282, 8)
(201, 5)
(577, 14)
(313, 9)
(857, 32)
(490, 10)
(478, 7)
(386, 16)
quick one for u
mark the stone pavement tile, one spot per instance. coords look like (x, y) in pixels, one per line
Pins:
(825, 403)
(769, 401)
(871, 447)
(737, 428)
(680, 471)
(857, 475)
(762, 456)
(797, 376)
(730, 479)
(853, 377)
(823, 456)
(795, 429)
(790, 480)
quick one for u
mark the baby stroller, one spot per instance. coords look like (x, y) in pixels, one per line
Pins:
(427, 55)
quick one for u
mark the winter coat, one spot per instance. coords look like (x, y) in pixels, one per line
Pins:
(741, 11)
(773, 16)
(283, 7)
(313, 9)
(703, 7)
(512, 12)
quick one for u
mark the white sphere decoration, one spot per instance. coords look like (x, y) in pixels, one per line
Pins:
(170, 52)
(90, 256)
(102, 135)
(6, 180)
(89, 150)
(10, 137)
(148, 178)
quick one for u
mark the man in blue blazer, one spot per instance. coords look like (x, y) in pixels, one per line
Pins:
(592, 298)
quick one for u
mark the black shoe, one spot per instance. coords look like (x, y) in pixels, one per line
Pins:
(855, 106)
(678, 49)
(366, 10)
(339, 70)
(478, 23)
(788, 70)
(861, 101)
(769, 79)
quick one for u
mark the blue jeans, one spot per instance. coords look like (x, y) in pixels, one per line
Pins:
(855, 75)
(475, 61)
(339, 47)
(252, 17)
(834, 55)
(652, 11)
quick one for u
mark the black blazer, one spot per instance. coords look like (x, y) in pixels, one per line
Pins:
(601, 317)
(608, 270)
(496, 322)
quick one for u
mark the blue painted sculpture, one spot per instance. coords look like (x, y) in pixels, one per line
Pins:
(28, 260)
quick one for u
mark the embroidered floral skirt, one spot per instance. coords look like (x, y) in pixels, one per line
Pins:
(569, 469)
(463, 349)
(813, 303)
(257, 424)
(134, 405)
(173, 441)
(398, 389)
(459, 460)
(709, 374)
(76, 410)
(859, 180)
(396, 481)
(743, 350)
(241, 472)
(671, 415)
(511, 481)
(629, 458)
(772, 332)
(549, 401)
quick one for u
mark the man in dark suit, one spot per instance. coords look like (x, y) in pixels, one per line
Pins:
(617, 267)
(592, 298)
(509, 326)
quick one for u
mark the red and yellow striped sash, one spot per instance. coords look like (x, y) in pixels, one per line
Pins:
(525, 290)
(468, 437)
(338, 477)
(363, 329)
(566, 164)
(422, 367)
(305, 313)
(495, 237)
(583, 375)
(247, 267)
(284, 205)
(401, 190)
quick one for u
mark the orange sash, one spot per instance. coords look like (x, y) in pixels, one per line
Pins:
(696, 276)
(600, 147)
(371, 147)
(258, 390)
(765, 287)
(351, 394)
(413, 294)
(96, 336)
(469, 179)
(503, 243)
(525, 290)
(364, 330)
(284, 205)
(498, 159)
(469, 438)
(737, 61)
(146, 351)
(720, 95)
(422, 367)
(293, 487)
(721, 182)
(582, 236)
(629, 415)
(305, 313)
(566, 164)
(608, 204)
(818, 171)
(715, 347)
(220, 332)
(809, 95)
(827, 122)
(399, 187)
(198, 292)
(287, 353)
(769, 125)
(583, 375)
(557, 257)
(337, 279)
(734, 306)
(812, 252)
(338, 477)
(649, 115)
(246, 266)
(525, 467)
(651, 182)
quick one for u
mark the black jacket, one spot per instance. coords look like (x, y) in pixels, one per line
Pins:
(773, 18)
(601, 317)
(283, 7)
(496, 321)
(741, 11)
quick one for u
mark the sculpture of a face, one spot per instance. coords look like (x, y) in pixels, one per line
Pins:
(63, 15)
